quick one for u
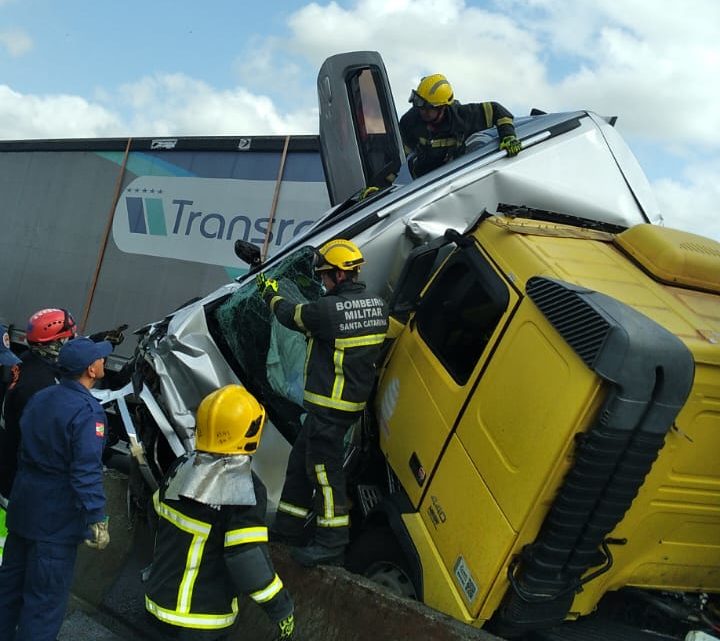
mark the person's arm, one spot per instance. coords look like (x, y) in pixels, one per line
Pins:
(86, 469)
(247, 559)
(484, 115)
(308, 318)
(409, 140)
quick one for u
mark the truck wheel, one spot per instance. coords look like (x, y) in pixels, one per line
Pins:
(377, 555)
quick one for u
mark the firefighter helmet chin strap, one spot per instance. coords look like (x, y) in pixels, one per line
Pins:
(214, 479)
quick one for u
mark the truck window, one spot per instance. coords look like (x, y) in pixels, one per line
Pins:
(378, 149)
(460, 311)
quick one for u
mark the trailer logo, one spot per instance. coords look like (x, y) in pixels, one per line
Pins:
(146, 215)
(199, 219)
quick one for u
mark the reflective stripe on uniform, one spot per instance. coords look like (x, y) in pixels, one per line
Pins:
(333, 403)
(289, 508)
(246, 535)
(328, 519)
(336, 401)
(328, 499)
(438, 142)
(199, 531)
(188, 620)
(274, 301)
(359, 341)
(308, 352)
(487, 107)
(297, 318)
(504, 121)
(335, 521)
(339, 382)
(267, 593)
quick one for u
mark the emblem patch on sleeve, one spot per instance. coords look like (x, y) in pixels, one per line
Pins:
(100, 429)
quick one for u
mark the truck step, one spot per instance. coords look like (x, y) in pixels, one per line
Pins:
(598, 630)
(369, 496)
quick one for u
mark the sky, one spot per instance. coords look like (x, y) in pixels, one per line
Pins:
(95, 68)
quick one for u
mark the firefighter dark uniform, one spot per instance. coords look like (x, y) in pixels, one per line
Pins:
(435, 142)
(8, 377)
(8, 364)
(37, 373)
(211, 542)
(434, 145)
(345, 330)
(47, 330)
(57, 496)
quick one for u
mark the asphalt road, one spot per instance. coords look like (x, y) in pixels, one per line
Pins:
(84, 623)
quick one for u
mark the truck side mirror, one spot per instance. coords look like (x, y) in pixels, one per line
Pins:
(248, 253)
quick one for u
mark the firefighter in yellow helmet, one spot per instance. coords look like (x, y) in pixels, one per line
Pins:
(345, 329)
(435, 128)
(211, 542)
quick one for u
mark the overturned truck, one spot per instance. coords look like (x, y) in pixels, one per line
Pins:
(540, 454)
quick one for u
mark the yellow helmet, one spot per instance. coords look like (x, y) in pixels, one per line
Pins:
(229, 421)
(338, 254)
(433, 91)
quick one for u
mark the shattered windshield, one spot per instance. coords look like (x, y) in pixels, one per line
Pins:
(268, 357)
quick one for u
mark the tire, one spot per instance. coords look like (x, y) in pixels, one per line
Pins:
(377, 555)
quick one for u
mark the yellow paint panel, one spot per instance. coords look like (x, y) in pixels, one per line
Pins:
(413, 419)
(440, 592)
(465, 523)
(531, 401)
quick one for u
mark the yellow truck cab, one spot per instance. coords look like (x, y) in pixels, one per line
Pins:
(539, 455)
(551, 410)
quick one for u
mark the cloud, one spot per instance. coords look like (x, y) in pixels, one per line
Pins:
(16, 42)
(692, 204)
(175, 104)
(29, 116)
(651, 67)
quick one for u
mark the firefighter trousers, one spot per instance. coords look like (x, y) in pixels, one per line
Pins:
(315, 481)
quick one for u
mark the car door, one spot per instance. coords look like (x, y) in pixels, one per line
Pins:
(360, 140)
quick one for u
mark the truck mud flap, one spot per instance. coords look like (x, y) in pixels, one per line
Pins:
(649, 372)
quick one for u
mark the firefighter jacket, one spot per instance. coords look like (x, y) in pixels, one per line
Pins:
(191, 582)
(58, 491)
(37, 373)
(345, 329)
(435, 145)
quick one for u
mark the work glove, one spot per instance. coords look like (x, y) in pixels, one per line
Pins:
(267, 287)
(368, 191)
(112, 336)
(100, 535)
(286, 628)
(511, 144)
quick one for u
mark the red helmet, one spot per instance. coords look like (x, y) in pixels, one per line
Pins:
(50, 325)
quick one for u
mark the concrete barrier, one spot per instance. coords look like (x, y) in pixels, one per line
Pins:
(331, 603)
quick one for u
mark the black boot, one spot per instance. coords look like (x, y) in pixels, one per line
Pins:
(318, 554)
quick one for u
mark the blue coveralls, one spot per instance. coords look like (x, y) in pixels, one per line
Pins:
(58, 492)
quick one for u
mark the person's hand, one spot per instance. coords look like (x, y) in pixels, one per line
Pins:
(368, 191)
(286, 629)
(112, 336)
(267, 287)
(116, 336)
(511, 144)
(100, 535)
